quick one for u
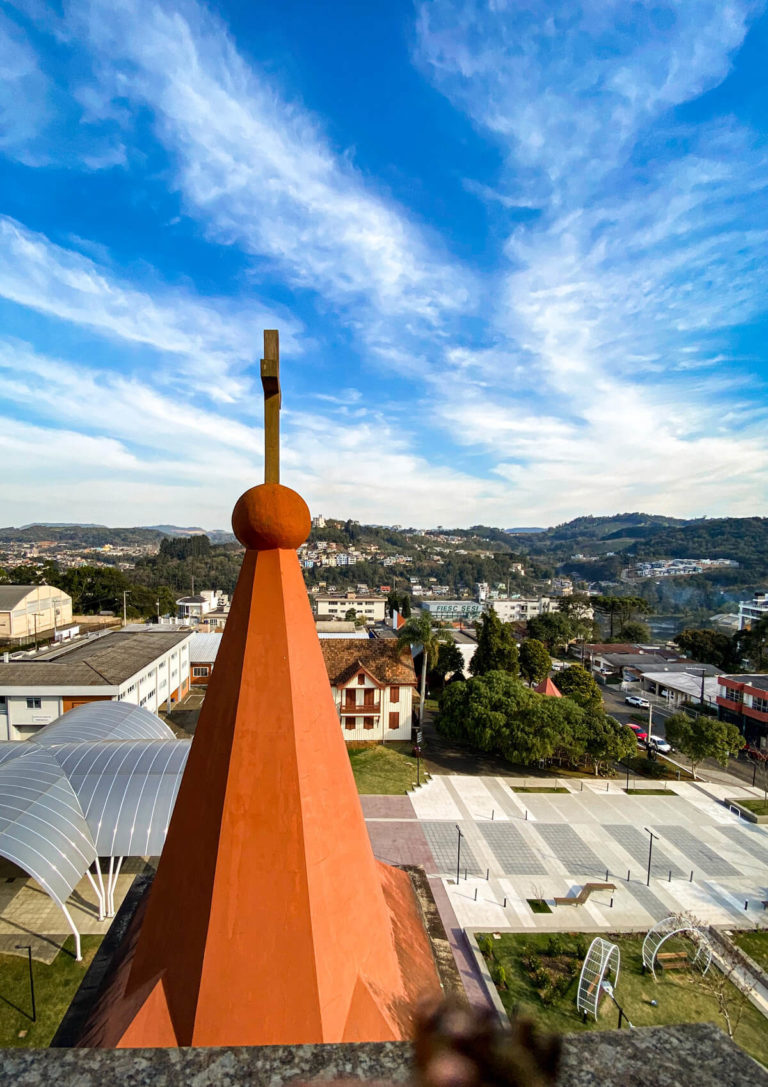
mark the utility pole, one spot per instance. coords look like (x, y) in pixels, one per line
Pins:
(126, 594)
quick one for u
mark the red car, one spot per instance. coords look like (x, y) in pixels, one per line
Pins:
(640, 736)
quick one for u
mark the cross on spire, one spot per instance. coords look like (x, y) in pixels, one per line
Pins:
(270, 381)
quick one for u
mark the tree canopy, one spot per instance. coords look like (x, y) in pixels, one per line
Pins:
(709, 647)
(496, 647)
(703, 738)
(552, 628)
(578, 684)
(535, 661)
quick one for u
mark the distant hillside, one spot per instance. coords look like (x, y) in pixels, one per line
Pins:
(744, 539)
(81, 535)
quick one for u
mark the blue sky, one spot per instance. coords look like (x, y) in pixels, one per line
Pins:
(516, 253)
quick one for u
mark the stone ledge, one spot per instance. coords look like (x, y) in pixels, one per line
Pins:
(698, 1055)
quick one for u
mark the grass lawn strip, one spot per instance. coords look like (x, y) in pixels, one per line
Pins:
(649, 792)
(754, 944)
(539, 789)
(55, 985)
(381, 770)
(679, 995)
(754, 804)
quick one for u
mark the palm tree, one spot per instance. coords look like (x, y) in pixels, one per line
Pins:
(418, 631)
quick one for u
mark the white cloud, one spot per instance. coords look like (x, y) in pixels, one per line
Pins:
(258, 170)
(24, 93)
(210, 340)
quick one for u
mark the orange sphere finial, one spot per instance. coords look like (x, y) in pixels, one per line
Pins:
(271, 516)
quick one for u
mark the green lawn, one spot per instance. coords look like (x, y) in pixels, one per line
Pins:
(754, 804)
(679, 994)
(538, 789)
(385, 770)
(755, 944)
(55, 985)
(650, 792)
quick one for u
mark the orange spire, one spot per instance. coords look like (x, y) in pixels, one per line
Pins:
(269, 920)
(547, 687)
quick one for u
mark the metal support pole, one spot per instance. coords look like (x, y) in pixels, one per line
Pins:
(28, 948)
(650, 853)
(458, 856)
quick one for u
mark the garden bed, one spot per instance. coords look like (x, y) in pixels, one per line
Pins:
(537, 975)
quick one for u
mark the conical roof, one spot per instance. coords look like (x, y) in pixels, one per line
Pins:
(269, 920)
(547, 687)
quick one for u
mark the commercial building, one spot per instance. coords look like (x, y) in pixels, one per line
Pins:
(27, 611)
(336, 605)
(743, 700)
(680, 687)
(447, 611)
(372, 684)
(147, 669)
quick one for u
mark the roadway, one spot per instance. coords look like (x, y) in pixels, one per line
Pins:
(613, 697)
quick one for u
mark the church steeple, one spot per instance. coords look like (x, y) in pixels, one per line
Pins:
(269, 920)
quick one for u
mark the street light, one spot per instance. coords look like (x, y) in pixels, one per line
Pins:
(27, 947)
(650, 853)
(458, 855)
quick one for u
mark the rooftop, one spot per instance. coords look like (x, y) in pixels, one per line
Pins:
(755, 679)
(11, 595)
(108, 660)
(344, 656)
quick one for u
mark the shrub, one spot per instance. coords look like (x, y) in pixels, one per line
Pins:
(581, 947)
(499, 975)
(485, 944)
(556, 945)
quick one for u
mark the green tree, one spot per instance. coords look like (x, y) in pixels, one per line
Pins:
(552, 628)
(405, 606)
(576, 683)
(634, 630)
(497, 713)
(449, 659)
(350, 615)
(607, 741)
(418, 631)
(710, 647)
(496, 647)
(753, 644)
(703, 738)
(535, 661)
(609, 606)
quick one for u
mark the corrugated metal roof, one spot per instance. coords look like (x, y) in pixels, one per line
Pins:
(106, 661)
(204, 647)
(11, 595)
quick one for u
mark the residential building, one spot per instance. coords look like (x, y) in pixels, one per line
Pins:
(202, 656)
(750, 611)
(743, 700)
(194, 608)
(333, 628)
(27, 611)
(372, 684)
(336, 605)
(518, 609)
(147, 669)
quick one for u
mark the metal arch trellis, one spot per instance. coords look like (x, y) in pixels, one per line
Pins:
(601, 963)
(676, 925)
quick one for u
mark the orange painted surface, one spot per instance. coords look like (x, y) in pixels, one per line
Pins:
(269, 920)
(547, 687)
(70, 703)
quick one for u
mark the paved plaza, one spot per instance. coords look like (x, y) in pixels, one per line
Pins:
(517, 846)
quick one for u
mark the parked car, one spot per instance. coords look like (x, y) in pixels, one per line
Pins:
(642, 737)
(636, 700)
(658, 743)
(637, 729)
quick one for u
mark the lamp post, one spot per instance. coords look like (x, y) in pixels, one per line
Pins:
(650, 853)
(458, 855)
(28, 948)
(157, 603)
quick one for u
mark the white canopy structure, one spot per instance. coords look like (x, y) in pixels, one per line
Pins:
(100, 781)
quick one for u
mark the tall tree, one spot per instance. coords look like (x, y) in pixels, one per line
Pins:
(553, 629)
(418, 631)
(753, 644)
(496, 647)
(607, 741)
(576, 683)
(703, 738)
(449, 659)
(709, 647)
(535, 661)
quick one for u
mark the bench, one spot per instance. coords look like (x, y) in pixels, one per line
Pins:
(584, 893)
(673, 960)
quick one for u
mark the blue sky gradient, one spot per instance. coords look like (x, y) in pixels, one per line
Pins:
(516, 254)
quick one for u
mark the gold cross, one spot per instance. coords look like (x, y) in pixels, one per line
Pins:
(270, 381)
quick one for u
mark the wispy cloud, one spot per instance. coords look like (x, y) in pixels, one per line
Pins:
(258, 171)
(209, 339)
(24, 92)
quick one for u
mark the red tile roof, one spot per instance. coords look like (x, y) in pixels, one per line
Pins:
(381, 658)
